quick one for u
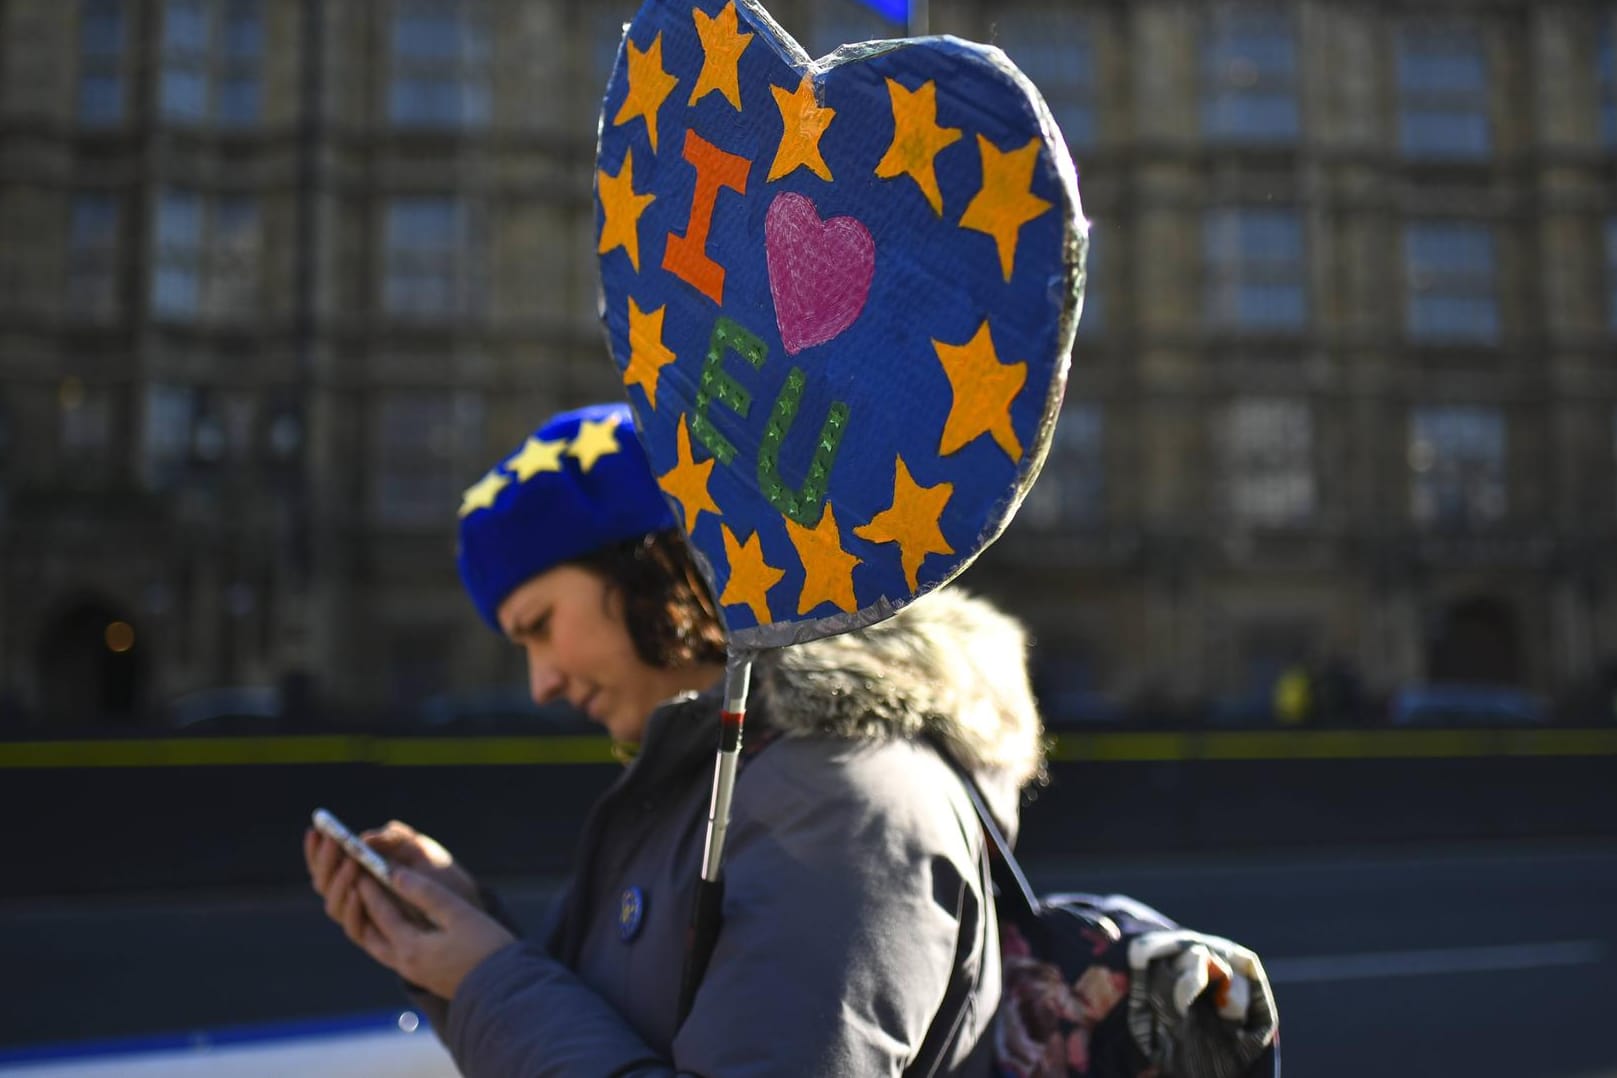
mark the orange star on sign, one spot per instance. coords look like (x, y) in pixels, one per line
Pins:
(827, 568)
(649, 87)
(984, 390)
(1006, 201)
(911, 521)
(621, 209)
(647, 353)
(917, 139)
(687, 480)
(750, 576)
(722, 46)
(805, 121)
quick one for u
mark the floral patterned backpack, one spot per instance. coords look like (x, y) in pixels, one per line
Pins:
(1106, 987)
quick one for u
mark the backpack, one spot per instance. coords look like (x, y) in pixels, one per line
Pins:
(1103, 986)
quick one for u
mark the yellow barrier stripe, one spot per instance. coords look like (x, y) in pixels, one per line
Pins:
(1331, 745)
(1098, 747)
(181, 752)
(313, 749)
(1120, 748)
(1561, 742)
(464, 751)
(1348, 745)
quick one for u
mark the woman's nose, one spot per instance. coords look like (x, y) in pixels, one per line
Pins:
(544, 680)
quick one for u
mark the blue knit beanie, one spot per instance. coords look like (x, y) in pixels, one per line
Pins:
(579, 483)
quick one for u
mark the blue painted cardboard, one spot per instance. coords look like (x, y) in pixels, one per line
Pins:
(842, 295)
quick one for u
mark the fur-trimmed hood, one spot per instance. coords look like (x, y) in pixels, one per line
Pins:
(950, 664)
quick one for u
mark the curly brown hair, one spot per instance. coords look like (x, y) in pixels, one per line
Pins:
(669, 612)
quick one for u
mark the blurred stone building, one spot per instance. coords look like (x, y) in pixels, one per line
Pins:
(278, 278)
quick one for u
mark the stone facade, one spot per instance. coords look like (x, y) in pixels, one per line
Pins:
(273, 290)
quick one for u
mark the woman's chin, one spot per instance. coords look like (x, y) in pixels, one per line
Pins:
(628, 730)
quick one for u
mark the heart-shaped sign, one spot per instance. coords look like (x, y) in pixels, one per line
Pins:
(842, 295)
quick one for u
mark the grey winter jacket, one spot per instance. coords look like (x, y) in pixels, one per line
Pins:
(856, 909)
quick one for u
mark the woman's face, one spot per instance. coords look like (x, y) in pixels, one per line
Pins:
(570, 624)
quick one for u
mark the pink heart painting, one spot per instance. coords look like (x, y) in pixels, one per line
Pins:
(819, 271)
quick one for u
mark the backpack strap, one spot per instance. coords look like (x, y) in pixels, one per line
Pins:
(999, 871)
(1016, 897)
(944, 1031)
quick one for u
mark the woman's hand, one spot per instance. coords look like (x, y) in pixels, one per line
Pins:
(438, 956)
(405, 846)
(399, 843)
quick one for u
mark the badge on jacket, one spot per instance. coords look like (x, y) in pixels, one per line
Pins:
(631, 912)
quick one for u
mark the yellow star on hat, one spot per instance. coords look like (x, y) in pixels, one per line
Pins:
(596, 438)
(534, 457)
(481, 494)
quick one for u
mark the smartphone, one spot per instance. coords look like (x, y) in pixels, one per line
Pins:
(371, 861)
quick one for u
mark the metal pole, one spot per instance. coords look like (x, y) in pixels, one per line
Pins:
(297, 660)
(704, 932)
(919, 17)
(737, 679)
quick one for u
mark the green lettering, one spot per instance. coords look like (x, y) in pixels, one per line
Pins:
(805, 504)
(728, 334)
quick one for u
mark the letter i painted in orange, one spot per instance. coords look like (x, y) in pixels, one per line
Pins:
(686, 256)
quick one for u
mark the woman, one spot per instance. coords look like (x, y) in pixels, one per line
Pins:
(858, 934)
